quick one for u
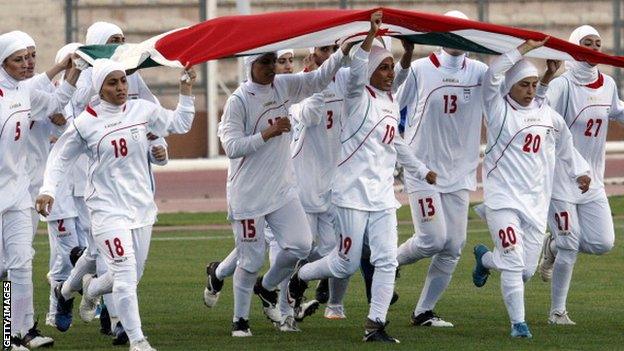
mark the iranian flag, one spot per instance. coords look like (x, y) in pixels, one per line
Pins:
(231, 36)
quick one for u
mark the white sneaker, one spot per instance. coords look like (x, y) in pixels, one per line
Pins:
(141, 345)
(88, 304)
(306, 309)
(560, 318)
(548, 259)
(240, 328)
(17, 347)
(50, 320)
(335, 312)
(289, 324)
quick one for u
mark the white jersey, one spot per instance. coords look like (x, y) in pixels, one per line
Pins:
(137, 89)
(19, 106)
(522, 144)
(586, 111)
(316, 145)
(119, 193)
(370, 145)
(38, 146)
(260, 174)
(443, 126)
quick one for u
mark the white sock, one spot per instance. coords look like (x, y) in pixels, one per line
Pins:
(284, 307)
(22, 310)
(316, 270)
(512, 289)
(243, 289)
(84, 265)
(124, 294)
(488, 260)
(337, 290)
(53, 300)
(100, 285)
(406, 255)
(381, 291)
(435, 284)
(282, 269)
(227, 266)
(562, 275)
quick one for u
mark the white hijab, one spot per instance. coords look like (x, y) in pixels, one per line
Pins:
(447, 60)
(27, 39)
(99, 32)
(9, 44)
(101, 69)
(522, 69)
(582, 73)
(376, 56)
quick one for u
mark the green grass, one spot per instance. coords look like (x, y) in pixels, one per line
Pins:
(175, 318)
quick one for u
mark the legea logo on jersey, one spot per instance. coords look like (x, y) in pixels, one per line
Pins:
(15, 105)
(269, 103)
(112, 124)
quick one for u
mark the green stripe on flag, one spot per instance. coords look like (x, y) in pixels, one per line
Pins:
(95, 52)
(448, 40)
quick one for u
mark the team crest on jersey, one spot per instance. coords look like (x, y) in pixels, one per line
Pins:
(135, 134)
(467, 92)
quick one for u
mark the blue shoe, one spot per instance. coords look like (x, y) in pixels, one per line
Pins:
(480, 273)
(521, 330)
(63, 318)
(98, 311)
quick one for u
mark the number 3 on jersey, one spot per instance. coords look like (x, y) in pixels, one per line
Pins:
(121, 147)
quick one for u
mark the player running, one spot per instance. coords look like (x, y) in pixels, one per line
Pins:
(524, 137)
(443, 100)
(114, 135)
(587, 99)
(363, 187)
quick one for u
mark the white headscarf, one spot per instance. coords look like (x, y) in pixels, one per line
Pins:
(101, 69)
(582, 72)
(522, 69)
(66, 50)
(281, 53)
(99, 32)
(247, 63)
(27, 39)
(377, 54)
(9, 44)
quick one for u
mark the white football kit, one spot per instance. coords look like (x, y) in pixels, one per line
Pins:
(363, 187)
(444, 111)
(518, 169)
(581, 222)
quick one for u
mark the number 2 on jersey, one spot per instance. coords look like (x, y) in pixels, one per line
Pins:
(508, 237)
(121, 147)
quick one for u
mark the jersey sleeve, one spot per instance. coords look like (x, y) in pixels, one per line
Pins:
(493, 100)
(408, 160)
(312, 110)
(63, 155)
(617, 107)
(400, 76)
(232, 130)
(43, 103)
(575, 165)
(303, 85)
(160, 141)
(555, 94)
(163, 122)
(84, 91)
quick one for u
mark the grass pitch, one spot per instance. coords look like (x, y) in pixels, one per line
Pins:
(174, 317)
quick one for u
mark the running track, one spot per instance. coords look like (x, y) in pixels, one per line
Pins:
(204, 191)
